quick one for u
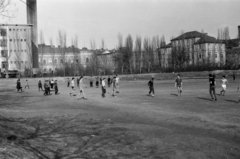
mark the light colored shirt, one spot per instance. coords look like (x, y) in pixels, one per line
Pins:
(81, 85)
(72, 83)
(117, 79)
(224, 81)
(103, 83)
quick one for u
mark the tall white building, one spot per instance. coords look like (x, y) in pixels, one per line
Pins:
(15, 47)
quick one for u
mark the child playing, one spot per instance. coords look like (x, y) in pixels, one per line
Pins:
(151, 88)
(40, 85)
(224, 85)
(68, 82)
(19, 87)
(212, 84)
(26, 84)
(103, 88)
(179, 85)
(73, 89)
(56, 87)
(117, 84)
(81, 91)
(114, 86)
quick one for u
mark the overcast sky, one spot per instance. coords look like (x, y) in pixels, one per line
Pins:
(104, 19)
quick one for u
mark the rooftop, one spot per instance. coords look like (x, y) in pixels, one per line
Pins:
(16, 25)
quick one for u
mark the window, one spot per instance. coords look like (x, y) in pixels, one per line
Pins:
(10, 39)
(21, 39)
(11, 62)
(216, 55)
(22, 61)
(50, 69)
(61, 60)
(55, 60)
(24, 29)
(87, 60)
(10, 29)
(77, 61)
(44, 61)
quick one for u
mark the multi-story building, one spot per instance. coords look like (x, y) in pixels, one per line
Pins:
(193, 48)
(16, 47)
(52, 58)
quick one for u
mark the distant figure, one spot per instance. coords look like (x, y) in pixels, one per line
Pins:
(73, 87)
(103, 88)
(78, 79)
(68, 82)
(81, 94)
(91, 81)
(179, 85)
(18, 85)
(52, 84)
(39, 85)
(97, 82)
(109, 81)
(212, 83)
(100, 80)
(46, 88)
(114, 86)
(26, 84)
(234, 77)
(56, 87)
(224, 85)
(117, 84)
(151, 87)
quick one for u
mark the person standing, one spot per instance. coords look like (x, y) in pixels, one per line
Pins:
(179, 85)
(109, 81)
(39, 85)
(103, 88)
(234, 76)
(117, 84)
(26, 84)
(97, 82)
(212, 83)
(81, 94)
(52, 83)
(151, 88)
(91, 81)
(56, 87)
(114, 86)
(78, 79)
(73, 87)
(68, 82)
(224, 85)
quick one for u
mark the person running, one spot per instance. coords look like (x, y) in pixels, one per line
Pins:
(212, 83)
(151, 88)
(26, 84)
(117, 84)
(68, 82)
(73, 87)
(97, 82)
(103, 88)
(56, 87)
(109, 81)
(91, 81)
(39, 85)
(18, 86)
(114, 86)
(224, 85)
(81, 94)
(179, 85)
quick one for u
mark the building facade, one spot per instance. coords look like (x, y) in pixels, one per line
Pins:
(16, 47)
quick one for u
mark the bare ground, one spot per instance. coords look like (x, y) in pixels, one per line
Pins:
(132, 125)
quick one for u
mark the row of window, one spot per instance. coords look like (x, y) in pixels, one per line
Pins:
(61, 60)
(48, 69)
(18, 40)
(18, 51)
(17, 29)
(17, 61)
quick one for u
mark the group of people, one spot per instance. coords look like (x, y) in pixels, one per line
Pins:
(80, 85)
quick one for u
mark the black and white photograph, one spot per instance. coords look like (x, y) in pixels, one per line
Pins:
(120, 79)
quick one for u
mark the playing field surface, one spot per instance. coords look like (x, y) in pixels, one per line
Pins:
(131, 125)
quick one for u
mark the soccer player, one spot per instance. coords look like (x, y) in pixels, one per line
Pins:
(179, 85)
(117, 84)
(56, 87)
(81, 91)
(224, 85)
(109, 81)
(52, 83)
(212, 83)
(26, 84)
(68, 82)
(39, 85)
(73, 87)
(151, 88)
(97, 82)
(103, 88)
(19, 87)
(114, 86)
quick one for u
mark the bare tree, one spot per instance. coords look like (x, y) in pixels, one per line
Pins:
(18, 52)
(62, 46)
(147, 54)
(5, 9)
(53, 54)
(129, 51)
(75, 52)
(94, 63)
(223, 34)
(138, 53)
(103, 44)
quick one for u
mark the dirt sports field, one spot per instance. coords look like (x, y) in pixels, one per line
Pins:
(130, 126)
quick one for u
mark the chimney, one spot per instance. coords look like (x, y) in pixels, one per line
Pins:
(239, 32)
